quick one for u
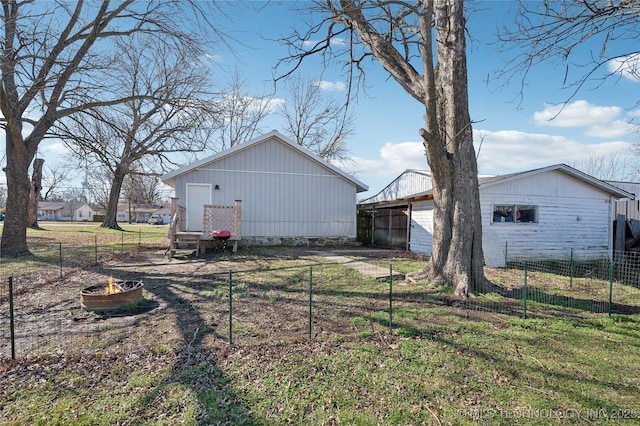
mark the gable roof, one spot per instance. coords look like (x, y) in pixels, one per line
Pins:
(170, 177)
(489, 181)
(50, 205)
(410, 182)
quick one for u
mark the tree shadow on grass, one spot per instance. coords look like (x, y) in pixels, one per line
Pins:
(195, 366)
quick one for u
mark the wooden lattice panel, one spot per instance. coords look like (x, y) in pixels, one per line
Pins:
(222, 217)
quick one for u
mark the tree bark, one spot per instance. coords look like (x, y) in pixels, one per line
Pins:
(34, 194)
(14, 231)
(457, 258)
(111, 216)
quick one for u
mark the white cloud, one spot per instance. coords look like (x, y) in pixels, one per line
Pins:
(614, 129)
(337, 86)
(598, 121)
(53, 146)
(336, 41)
(627, 66)
(577, 114)
(510, 151)
(499, 152)
(393, 159)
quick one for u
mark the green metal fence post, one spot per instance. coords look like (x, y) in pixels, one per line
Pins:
(610, 286)
(506, 248)
(390, 298)
(310, 299)
(122, 245)
(524, 293)
(230, 309)
(95, 245)
(571, 270)
(60, 254)
(11, 321)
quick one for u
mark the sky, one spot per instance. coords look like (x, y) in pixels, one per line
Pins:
(547, 125)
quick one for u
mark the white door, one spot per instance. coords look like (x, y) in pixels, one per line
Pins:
(198, 194)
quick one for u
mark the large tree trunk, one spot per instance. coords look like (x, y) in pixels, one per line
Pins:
(14, 231)
(457, 258)
(111, 216)
(34, 194)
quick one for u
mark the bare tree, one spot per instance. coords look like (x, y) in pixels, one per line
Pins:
(316, 122)
(96, 187)
(143, 189)
(54, 179)
(558, 32)
(168, 116)
(607, 167)
(55, 62)
(35, 193)
(428, 35)
(240, 114)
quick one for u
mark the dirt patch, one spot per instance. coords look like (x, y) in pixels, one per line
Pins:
(185, 300)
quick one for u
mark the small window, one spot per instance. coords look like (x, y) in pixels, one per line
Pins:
(515, 213)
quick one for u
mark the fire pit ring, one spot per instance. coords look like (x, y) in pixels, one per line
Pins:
(96, 298)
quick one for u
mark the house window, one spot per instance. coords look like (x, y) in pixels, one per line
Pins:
(515, 213)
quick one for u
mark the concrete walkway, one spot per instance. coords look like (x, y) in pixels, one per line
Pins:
(362, 267)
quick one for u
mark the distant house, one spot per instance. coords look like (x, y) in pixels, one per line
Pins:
(536, 214)
(288, 194)
(164, 213)
(84, 213)
(64, 211)
(138, 213)
(48, 210)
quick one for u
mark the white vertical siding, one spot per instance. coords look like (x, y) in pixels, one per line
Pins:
(629, 208)
(572, 215)
(283, 193)
(421, 228)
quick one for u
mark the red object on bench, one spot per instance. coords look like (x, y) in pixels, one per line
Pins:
(222, 234)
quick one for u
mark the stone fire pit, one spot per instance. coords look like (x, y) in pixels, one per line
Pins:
(112, 295)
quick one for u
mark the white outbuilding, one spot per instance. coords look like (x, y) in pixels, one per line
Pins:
(541, 214)
(289, 195)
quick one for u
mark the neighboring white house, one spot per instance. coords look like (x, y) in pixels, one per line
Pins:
(62, 211)
(545, 213)
(288, 194)
(137, 213)
(164, 213)
(84, 213)
(49, 210)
